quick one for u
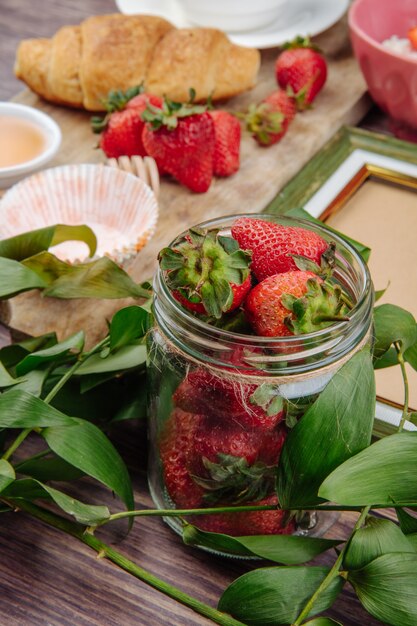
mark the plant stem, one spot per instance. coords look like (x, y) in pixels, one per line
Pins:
(334, 572)
(401, 361)
(73, 369)
(16, 443)
(242, 509)
(78, 531)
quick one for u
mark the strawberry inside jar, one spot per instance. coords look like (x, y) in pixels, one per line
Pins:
(253, 317)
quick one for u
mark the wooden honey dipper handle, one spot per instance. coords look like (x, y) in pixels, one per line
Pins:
(144, 168)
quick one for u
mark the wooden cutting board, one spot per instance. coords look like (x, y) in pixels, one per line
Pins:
(263, 173)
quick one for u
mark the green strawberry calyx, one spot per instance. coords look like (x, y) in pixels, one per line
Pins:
(300, 42)
(233, 480)
(203, 266)
(327, 262)
(263, 121)
(323, 304)
(171, 112)
(116, 101)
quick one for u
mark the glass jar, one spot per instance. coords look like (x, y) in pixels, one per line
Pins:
(210, 422)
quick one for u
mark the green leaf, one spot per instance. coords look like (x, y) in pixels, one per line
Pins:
(375, 538)
(5, 379)
(300, 213)
(380, 292)
(286, 549)
(12, 354)
(19, 409)
(135, 408)
(322, 621)
(16, 278)
(27, 244)
(98, 279)
(381, 474)
(393, 324)
(84, 446)
(7, 474)
(127, 325)
(30, 489)
(272, 596)
(49, 469)
(62, 349)
(388, 359)
(335, 427)
(386, 587)
(408, 523)
(125, 358)
(410, 355)
(33, 382)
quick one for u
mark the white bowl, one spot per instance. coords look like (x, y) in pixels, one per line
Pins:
(49, 129)
(232, 15)
(119, 207)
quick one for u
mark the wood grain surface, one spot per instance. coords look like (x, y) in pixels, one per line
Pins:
(47, 578)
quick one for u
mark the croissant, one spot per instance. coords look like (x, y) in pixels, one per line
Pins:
(81, 64)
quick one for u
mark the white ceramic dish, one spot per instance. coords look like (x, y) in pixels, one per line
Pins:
(119, 207)
(48, 128)
(302, 17)
(224, 14)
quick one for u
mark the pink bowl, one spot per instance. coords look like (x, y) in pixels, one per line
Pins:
(391, 77)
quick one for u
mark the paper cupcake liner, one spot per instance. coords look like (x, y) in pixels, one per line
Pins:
(120, 208)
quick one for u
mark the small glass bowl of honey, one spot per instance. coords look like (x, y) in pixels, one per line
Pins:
(28, 140)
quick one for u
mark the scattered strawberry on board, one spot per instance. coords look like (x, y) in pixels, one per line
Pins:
(302, 71)
(121, 129)
(223, 439)
(194, 143)
(268, 121)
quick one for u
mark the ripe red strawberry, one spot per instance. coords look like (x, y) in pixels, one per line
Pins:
(272, 245)
(248, 523)
(412, 37)
(121, 129)
(204, 268)
(225, 401)
(302, 70)
(175, 444)
(181, 139)
(272, 445)
(227, 145)
(294, 302)
(225, 462)
(268, 121)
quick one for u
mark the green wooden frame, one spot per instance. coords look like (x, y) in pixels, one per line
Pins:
(313, 175)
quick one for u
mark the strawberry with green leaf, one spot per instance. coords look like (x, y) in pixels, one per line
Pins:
(207, 272)
(121, 129)
(226, 400)
(268, 121)
(293, 303)
(181, 139)
(232, 464)
(301, 70)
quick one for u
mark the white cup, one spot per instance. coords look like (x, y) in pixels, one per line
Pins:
(232, 15)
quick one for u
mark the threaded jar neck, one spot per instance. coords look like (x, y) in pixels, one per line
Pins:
(273, 356)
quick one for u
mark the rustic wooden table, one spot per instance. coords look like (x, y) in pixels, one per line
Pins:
(48, 578)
